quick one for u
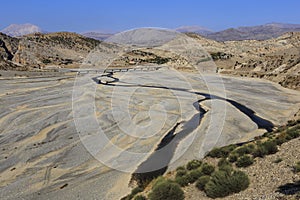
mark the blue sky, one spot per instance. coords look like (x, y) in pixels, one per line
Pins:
(118, 15)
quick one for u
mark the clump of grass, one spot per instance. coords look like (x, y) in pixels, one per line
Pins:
(133, 193)
(140, 197)
(245, 149)
(244, 161)
(265, 148)
(181, 172)
(224, 165)
(224, 183)
(287, 134)
(222, 152)
(194, 164)
(183, 180)
(270, 146)
(223, 162)
(296, 168)
(202, 181)
(207, 169)
(281, 138)
(180, 168)
(195, 174)
(294, 132)
(166, 190)
(233, 157)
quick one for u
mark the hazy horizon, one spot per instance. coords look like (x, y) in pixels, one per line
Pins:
(114, 16)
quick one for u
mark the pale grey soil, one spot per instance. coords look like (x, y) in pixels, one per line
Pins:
(42, 156)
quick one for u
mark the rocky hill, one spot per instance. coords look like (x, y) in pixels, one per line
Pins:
(38, 50)
(276, 59)
(8, 47)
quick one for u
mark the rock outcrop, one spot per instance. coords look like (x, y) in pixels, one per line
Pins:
(38, 50)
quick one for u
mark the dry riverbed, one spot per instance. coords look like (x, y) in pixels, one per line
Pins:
(42, 154)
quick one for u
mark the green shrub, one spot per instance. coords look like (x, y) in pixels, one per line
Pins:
(244, 161)
(140, 197)
(227, 168)
(222, 152)
(287, 135)
(195, 174)
(233, 157)
(246, 149)
(180, 168)
(270, 146)
(251, 147)
(194, 164)
(281, 138)
(188, 178)
(183, 180)
(297, 167)
(202, 181)
(159, 180)
(180, 173)
(133, 193)
(223, 183)
(223, 162)
(260, 151)
(224, 165)
(267, 134)
(266, 148)
(207, 169)
(136, 190)
(166, 190)
(293, 132)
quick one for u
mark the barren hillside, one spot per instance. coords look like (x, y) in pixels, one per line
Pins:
(275, 59)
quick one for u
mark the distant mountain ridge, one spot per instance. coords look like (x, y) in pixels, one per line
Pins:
(261, 32)
(97, 35)
(16, 30)
(195, 29)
